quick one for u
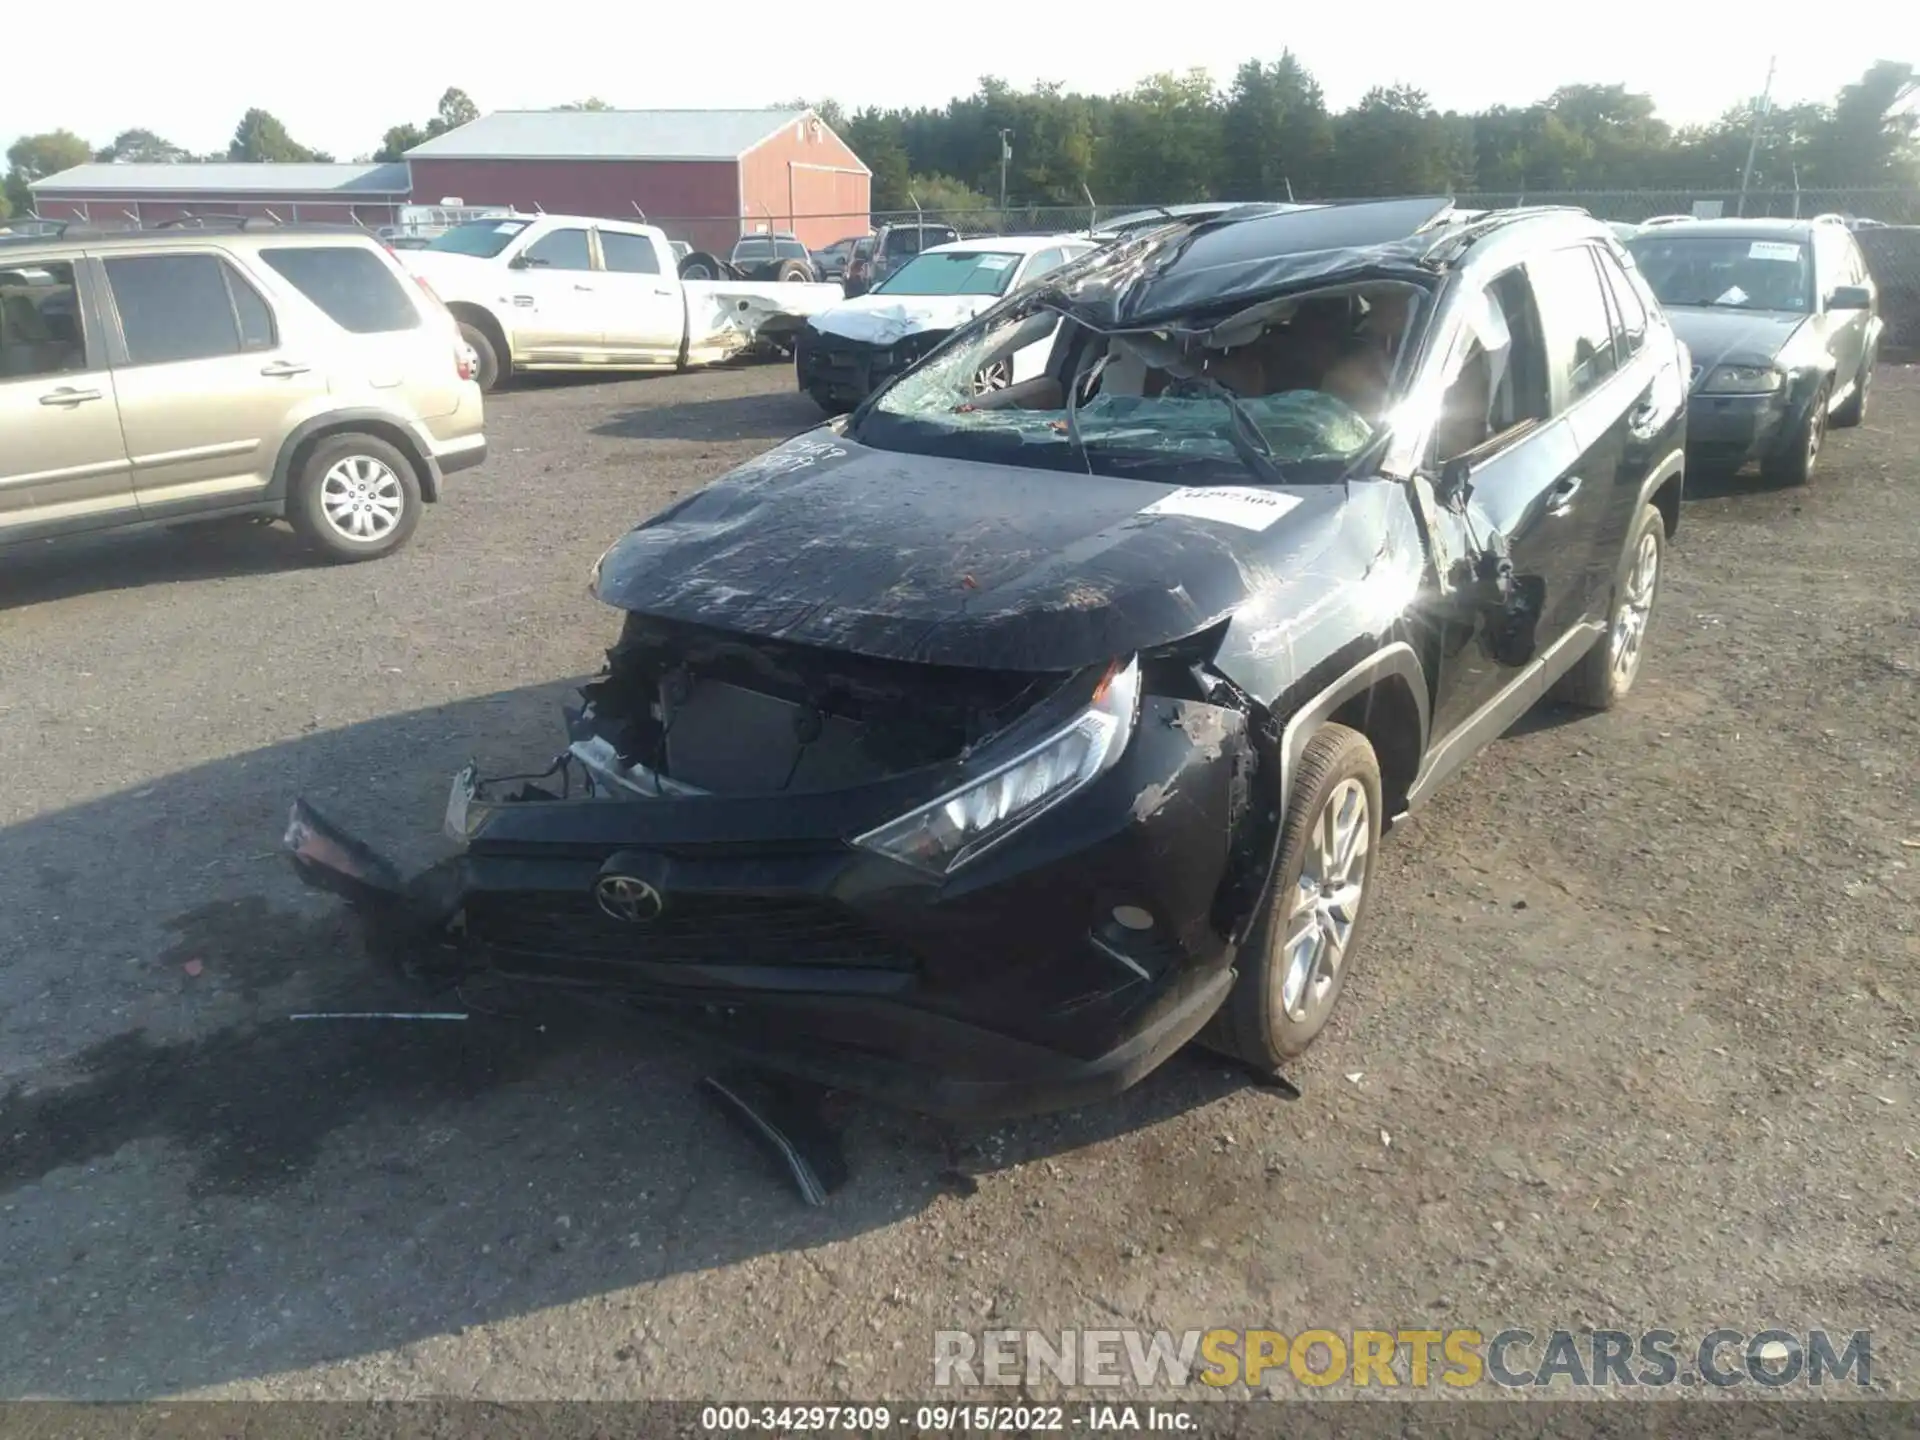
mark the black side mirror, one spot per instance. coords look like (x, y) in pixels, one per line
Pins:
(1456, 483)
(1850, 297)
(520, 262)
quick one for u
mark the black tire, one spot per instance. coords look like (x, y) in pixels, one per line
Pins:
(1792, 463)
(1855, 410)
(793, 271)
(699, 265)
(1600, 681)
(1254, 1025)
(308, 506)
(487, 372)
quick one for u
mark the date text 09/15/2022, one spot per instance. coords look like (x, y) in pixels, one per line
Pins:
(944, 1419)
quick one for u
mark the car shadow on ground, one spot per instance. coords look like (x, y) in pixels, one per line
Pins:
(737, 417)
(61, 569)
(300, 1192)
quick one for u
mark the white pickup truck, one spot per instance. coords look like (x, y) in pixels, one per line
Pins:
(567, 292)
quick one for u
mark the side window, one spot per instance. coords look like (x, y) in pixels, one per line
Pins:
(628, 254)
(1498, 372)
(186, 307)
(1043, 262)
(1579, 332)
(1628, 309)
(352, 285)
(41, 332)
(560, 250)
(252, 312)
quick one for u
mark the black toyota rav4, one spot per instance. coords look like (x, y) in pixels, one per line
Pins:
(980, 749)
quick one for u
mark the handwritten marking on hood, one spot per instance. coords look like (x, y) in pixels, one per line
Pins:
(1228, 504)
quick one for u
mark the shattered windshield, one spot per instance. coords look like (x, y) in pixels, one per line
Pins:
(953, 272)
(1290, 390)
(1734, 271)
(483, 239)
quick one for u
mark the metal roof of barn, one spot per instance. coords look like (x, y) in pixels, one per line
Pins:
(608, 135)
(223, 178)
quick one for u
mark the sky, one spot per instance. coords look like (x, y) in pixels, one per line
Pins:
(343, 72)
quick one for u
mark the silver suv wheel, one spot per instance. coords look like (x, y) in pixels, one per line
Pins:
(362, 498)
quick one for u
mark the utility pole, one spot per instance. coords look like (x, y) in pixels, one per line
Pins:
(1006, 154)
(1753, 141)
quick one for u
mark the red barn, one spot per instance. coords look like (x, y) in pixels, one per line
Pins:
(704, 176)
(112, 195)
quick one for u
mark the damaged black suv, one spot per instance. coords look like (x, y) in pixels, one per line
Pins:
(979, 750)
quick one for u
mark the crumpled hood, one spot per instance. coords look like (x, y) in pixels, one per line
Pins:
(1721, 336)
(888, 319)
(910, 557)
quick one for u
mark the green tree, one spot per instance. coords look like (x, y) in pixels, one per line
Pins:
(592, 102)
(34, 157)
(1275, 131)
(1163, 143)
(877, 139)
(260, 137)
(456, 108)
(397, 141)
(1869, 139)
(946, 195)
(141, 147)
(1392, 143)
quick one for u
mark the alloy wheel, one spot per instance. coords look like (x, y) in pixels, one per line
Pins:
(1635, 610)
(1326, 903)
(361, 498)
(996, 376)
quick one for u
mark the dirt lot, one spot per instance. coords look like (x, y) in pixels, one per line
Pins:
(1637, 1018)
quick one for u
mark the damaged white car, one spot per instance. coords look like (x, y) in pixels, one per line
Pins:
(845, 353)
(569, 292)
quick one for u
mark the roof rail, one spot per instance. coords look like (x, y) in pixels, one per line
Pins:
(201, 222)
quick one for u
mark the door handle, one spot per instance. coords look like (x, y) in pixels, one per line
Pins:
(1561, 496)
(67, 395)
(587, 288)
(280, 369)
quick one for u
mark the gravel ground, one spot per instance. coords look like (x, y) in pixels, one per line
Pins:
(1633, 1043)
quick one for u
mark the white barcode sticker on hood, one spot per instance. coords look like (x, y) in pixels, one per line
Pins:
(1249, 509)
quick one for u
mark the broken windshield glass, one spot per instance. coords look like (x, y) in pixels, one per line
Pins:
(1290, 390)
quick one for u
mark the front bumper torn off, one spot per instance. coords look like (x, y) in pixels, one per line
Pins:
(1003, 988)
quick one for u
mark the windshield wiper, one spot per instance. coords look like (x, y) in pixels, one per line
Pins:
(1243, 433)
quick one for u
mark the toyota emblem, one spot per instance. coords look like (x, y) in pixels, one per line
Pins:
(624, 898)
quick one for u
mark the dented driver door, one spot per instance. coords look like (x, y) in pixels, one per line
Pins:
(1511, 554)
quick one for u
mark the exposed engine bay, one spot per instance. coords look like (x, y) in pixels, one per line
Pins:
(686, 711)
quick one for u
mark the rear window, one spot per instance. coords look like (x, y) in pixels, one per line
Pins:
(353, 286)
(912, 239)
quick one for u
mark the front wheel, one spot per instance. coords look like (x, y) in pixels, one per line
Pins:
(1295, 962)
(1793, 462)
(356, 498)
(1606, 672)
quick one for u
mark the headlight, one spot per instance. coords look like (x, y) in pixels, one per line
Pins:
(945, 834)
(1743, 380)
